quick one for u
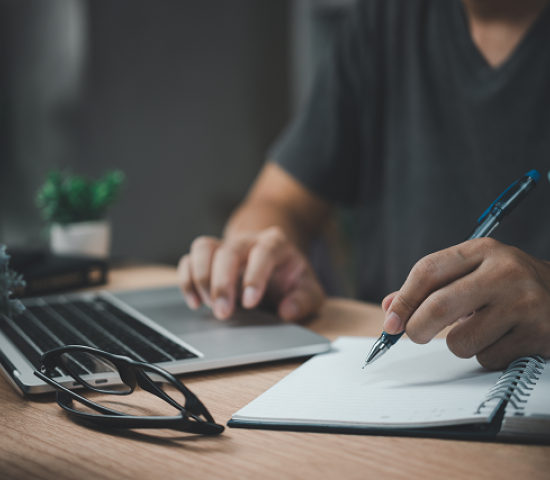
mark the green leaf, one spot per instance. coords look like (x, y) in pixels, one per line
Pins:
(66, 198)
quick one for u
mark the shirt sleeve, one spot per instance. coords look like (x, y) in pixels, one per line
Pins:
(322, 147)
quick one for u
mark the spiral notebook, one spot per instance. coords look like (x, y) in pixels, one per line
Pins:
(414, 390)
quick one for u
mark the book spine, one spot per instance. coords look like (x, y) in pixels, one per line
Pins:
(84, 277)
(515, 384)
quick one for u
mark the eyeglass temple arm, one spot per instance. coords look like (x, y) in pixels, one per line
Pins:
(149, 386)
(196, 406)
(180, 423)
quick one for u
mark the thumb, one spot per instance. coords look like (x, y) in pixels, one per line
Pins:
(398, 312)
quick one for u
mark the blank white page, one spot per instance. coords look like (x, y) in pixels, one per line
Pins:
(410, 386)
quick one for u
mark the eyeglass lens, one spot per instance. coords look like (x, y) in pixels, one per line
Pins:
(83, 365)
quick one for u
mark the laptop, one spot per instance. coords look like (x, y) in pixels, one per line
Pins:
(153, 325)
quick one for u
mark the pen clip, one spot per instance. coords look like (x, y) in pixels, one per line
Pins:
(524, 185)
(486, 212)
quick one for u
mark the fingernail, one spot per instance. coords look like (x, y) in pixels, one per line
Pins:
(192, 300)
(289, 311)
(250, 297)
(393, 324)
(221, 307)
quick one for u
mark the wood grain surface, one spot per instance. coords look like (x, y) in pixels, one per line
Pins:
(38, 440)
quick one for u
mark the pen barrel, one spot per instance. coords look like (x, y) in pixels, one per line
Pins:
(391, 338)
(511, 198)
(503, 205)
(485, 228)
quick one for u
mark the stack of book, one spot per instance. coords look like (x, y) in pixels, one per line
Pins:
(46, 273)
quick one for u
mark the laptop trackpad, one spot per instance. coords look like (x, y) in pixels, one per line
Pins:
(247, 331)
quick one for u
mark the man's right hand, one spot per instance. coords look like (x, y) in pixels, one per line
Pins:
(249, 267)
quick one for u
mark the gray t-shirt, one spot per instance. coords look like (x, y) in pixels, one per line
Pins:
(408, 124)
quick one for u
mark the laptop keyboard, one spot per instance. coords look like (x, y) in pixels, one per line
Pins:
(46, 324)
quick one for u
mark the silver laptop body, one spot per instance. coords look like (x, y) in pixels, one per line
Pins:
(150, 325)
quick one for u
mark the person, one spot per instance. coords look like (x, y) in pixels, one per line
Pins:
(421, 115)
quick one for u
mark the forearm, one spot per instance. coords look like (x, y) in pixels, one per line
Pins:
(276, 199)
(259, 215)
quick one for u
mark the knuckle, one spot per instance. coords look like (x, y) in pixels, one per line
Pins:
(511, 268)
(527, 302)
(201, 277)
(272, 240)
(274, 234)
(437, 306)
(489, 243)
(202, 243)
(227, 260)
(415, 334)
(490, 358)
(220, 291)
(226, 249)
(486, 245)
(225, 268)
(229, 253)
(221, 285)
(403, 303)
(203, 282)
(462, 345)
(426, 269)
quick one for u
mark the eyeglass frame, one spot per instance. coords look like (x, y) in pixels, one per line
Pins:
(130, 372)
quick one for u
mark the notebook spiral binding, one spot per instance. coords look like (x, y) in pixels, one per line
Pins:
(516, 382)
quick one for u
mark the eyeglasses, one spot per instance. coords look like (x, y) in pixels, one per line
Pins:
(121, 376)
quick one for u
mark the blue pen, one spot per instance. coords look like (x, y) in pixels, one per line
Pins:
(490, 219)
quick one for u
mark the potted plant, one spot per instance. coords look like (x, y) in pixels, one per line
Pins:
(75, 208)
(10, 281)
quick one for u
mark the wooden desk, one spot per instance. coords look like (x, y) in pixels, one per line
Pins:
(38, 440)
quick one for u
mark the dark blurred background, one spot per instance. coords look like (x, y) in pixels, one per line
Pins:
(184, 96)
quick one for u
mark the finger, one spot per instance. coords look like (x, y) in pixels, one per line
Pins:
(306, 298)
(227, 266)
(386, 303)
(186, 283)
(429, 275)
(480, 330)
(508, 348)
(272, 249)
(202, 252)
(528, 336)
(451, 303)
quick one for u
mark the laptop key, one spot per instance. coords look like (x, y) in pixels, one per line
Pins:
(19, 340)
(150, 345)
(175, 350)
(96, 323)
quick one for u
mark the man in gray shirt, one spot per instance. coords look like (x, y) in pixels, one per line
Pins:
(422, 114)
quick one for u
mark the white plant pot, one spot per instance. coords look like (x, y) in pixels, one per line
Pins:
(91, 239)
